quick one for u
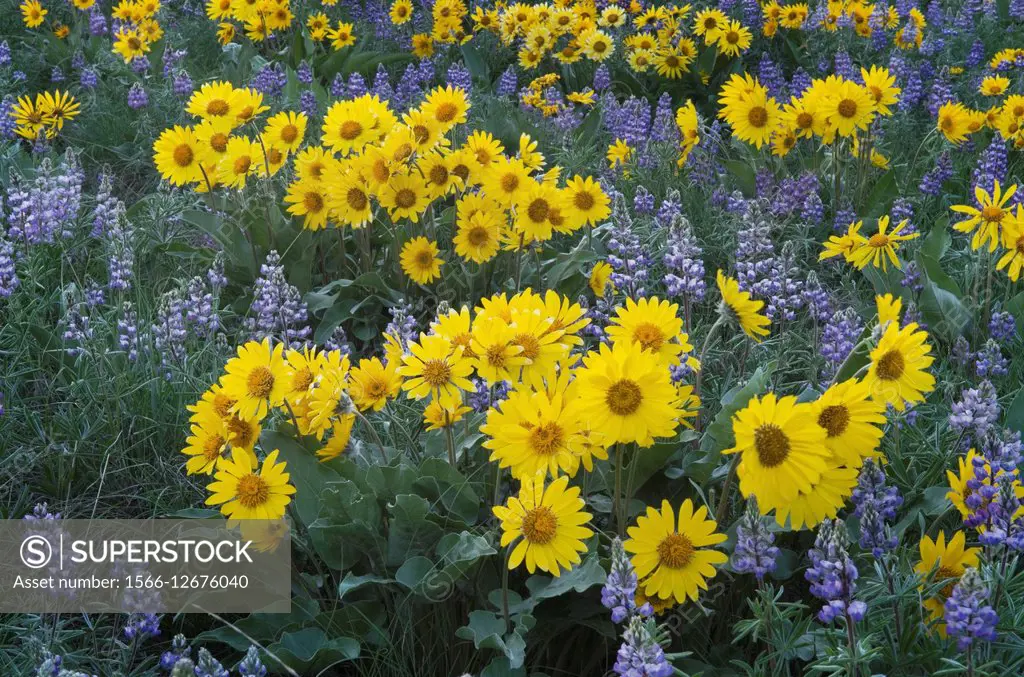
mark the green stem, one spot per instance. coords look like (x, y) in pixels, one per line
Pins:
(722, 510)
(617, 499)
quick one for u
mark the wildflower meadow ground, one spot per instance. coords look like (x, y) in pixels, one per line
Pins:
(570, 338)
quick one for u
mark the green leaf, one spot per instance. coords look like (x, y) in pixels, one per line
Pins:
(411, 532)
(310, 651)
(743, 172)
(352, 582)
(881, 196)
(580, 579)
(1015, 412)
(937, 241)
(487, 631)
(475, 63)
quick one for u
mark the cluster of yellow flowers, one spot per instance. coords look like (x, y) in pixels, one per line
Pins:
(993, 222)
(210, 154)
(829, 109)
(878, 249)
(801, 459)
(258, 18)
(139, 29)
(956, 121)
(45, 115)
(534, 95)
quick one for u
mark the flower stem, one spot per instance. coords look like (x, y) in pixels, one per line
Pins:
(722, 510)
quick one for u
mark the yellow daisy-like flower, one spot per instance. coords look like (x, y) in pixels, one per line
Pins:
(994, 85)
(754, 118)
(600, 278)
(497, 357)
(671, 554)
(308, 199)
(205, 445)
(597, 45)
(257, 379)
(740, 308)
(881, 86)
(548, 523)
(435, 367)
(585, 201)
(437, 416)
(32, 13)
(822, 501)
(341, 433)
(401, 12)
(478, 238)
(420, 260)
(447, 106)
(783, 450)
(286, 130)
(619, 153)
(214, 100)
(851, 420)
(626, 394)
(303, 367)
(734, 38)
(178, 155)
(898, 370)
(889, 309)
(348, 126)
(373, 383)
(1013, 239)
(654, 325)
(953, 121)
(348, 198)
(243, 493)
(986, 220)
(948, 561)
(405, 196)
(844, 245)
(959, 491)
(847, 106)
(535, 432)
(57, 108)
(238, 162)
(880, 248)
(342, 35)
(504, 179)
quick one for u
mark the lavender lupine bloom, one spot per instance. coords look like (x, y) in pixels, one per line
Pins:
(838, 339)
(771, 76)
(270, 80)
(277, 309)
(1002, 327)
(356, 86)
(800, 82)
(137, 97)
(977, 54)
(833, 575)
(913, 91)
(640, 654)
(215, 275)
(876, 506)
(105, 212)
(182, 85)
(141, 626)
(670, 207)
(338, 86)
(990, 361)
(664, 127)
(47, 208)
(1, 403)
(755, 552)
(402, 325)
(793, 192)
(508, 83)
(128, 331)
(179, 650)
(993, 164)
(308, 104)
(685, 276)
(976, 412)
(169, 332)
(817, 299)
(968, 618)
(338, 340)
(304, 73)
(120, 251)
(813, 209)
(912, 277)
(97, 22)
(41, 511)
(8, 275)
(88, 78)
(7, 124)
(459, 76)
(201, 314)
(208, 666)
(5, 54)
(602, 78)
(627, 255)
(382, 84)
(643, 201)
(251, 665)
(485, 396)
(140, 65)
(931, 183)
(598, 314)
(619, 591)
(94, 295)
(77, 330)
(56, 75)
